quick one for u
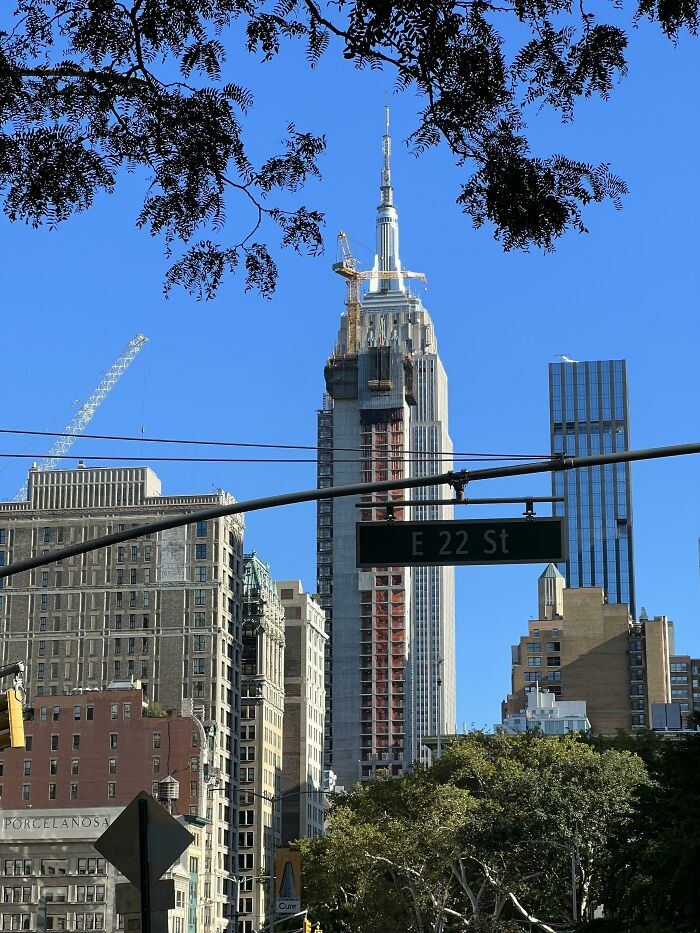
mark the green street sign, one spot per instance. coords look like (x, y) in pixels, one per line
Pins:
(477, 541)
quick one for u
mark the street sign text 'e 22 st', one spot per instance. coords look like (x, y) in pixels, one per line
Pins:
(473, 541)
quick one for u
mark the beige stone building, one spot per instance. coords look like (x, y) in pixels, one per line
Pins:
(51, 877)
(262, 713)
(582, 648)
(304, 713)
(164, 611)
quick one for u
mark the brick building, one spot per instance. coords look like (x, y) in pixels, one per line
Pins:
(86, 756)
(99, 749)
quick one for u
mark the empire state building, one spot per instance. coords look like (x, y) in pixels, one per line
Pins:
(390, 663)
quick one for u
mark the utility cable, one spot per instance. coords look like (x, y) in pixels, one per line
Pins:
(457, 480)
(184, 441)
(428, 456)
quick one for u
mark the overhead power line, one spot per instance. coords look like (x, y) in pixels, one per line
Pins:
(375, 458)
(458, 480)
(185, 441)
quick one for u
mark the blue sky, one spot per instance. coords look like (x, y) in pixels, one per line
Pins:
(241, 368)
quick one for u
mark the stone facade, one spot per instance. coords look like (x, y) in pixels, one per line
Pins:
(164, 612)
(304, 713)
(588, 649)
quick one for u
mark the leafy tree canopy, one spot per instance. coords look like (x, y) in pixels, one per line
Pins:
(89, 88)
(485, 837)
(653, 881)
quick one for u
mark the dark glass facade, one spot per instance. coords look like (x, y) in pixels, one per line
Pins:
(589, 414)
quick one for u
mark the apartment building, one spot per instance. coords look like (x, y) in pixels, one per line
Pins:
(583, 648)
(164, 610)
(262, 712)
(304, 713)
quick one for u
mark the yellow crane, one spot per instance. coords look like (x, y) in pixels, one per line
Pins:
(347, 267)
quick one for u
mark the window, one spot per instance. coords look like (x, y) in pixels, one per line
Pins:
(25, 791)
(199, 643)
(53, 766)
(111, 790)
(74, 792)
(54, 743)
(120, 555)
(553, 676)
(200, 597)
(52, 791)
(112, 764)
(156, 739)
(76, 742)
(118, 622)
(134, 552)
(201, 531)
(132, 620)
(75, 766)
(146, 579)
(553, 646)
(200, 574)
(534, 661)
(199, 620)
(120, 577)
(27, 767)
(200, 552)
(535, 633)
(147, 552)
(198, 665)
(113, 738)
(42, 648)
(156, 765)
(89, 712)
(534, 647)
(76, 712)
(553, 660)
(132, 576)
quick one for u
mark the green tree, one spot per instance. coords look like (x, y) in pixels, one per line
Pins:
(89, 88)
(653, 877)
(482, 839)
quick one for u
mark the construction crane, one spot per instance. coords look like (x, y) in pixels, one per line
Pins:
(87, 411)
(347, 267)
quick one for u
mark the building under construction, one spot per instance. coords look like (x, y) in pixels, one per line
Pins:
(390, 676)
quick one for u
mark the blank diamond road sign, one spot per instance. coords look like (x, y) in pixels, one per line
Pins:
(167, 840)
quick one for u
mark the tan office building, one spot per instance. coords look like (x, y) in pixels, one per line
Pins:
(164, 611)
(583, 648)
(262, 712)
(304, 713)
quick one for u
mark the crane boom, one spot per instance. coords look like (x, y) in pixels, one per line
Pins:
(347, 267)
(86, 413)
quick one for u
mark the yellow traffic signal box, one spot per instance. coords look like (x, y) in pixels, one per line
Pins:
(11, 720)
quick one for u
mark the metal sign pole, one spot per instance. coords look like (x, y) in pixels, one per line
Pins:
(145, 873)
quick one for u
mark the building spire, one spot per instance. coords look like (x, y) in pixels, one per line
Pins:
(386, 189)
(387, 255)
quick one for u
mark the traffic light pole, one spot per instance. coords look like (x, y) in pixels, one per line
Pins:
(458, 480)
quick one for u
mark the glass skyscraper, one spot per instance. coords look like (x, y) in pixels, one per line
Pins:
(589, 414)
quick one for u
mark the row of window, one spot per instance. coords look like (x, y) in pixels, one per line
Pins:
(535, 647)
(54, 866)
(81, 894)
